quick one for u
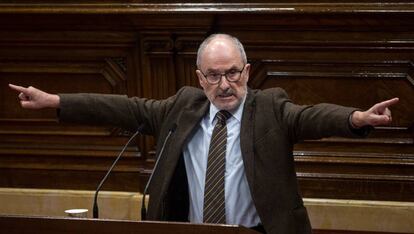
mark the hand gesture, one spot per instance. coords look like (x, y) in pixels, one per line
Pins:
(32, 98)
(378, 114)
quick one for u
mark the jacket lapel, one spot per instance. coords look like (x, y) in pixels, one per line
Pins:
(247, 137)
(186, 124)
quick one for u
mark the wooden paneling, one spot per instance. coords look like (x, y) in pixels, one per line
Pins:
(36, 151)
(353, 54)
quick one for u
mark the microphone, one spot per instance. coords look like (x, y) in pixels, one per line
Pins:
(95, 201)
(143, 208)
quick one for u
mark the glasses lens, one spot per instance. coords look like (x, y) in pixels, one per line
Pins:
(213, 78)
(233, 75)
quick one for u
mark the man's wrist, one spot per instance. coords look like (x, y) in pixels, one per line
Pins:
(357, 126)
(355, 120)
(54, 101)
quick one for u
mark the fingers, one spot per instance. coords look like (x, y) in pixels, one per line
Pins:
(384, 118)
(18, 88)
(378, 120)
(24, 94)
(387, 103)
(24, 97)
(380, 114)
(26, 104)
(387, 113)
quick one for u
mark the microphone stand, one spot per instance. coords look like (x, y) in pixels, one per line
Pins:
(143, 208)
(95, 200)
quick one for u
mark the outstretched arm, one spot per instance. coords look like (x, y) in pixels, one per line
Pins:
(378, 114)
(32, 98)
(325, 120)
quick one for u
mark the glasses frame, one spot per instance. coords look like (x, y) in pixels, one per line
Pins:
(225, 74)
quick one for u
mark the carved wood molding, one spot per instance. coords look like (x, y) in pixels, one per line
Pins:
(165, 58)
(309, 77)
(401, 7)
(171, 42)
(111, 73)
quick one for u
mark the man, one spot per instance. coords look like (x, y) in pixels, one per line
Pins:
(230, 157)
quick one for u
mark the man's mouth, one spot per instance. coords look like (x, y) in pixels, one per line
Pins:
(225, 95)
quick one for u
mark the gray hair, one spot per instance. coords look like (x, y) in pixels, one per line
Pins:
(207, 41)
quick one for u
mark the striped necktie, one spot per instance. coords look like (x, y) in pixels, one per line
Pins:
(214, 207)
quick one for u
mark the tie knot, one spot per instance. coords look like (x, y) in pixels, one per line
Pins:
(222, 116)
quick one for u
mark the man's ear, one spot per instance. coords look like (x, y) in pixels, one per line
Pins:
(247, 71)
(201, 79)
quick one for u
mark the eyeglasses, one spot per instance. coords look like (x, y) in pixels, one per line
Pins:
(231, 75)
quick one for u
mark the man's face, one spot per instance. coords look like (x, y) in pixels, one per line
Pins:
(219, 57)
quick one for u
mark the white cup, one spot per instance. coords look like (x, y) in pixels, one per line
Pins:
(77, 213)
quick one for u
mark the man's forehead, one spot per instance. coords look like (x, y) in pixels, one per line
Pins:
(222, 67)
(217, 55)
(220, 45)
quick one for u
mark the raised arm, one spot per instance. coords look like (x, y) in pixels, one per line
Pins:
(32, 98)
(378, 114)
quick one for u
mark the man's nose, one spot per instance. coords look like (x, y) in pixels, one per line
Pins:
(224, 84)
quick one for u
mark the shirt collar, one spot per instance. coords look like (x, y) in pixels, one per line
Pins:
(237, 114)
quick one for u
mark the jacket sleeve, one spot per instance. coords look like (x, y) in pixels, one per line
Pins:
(114, 110)
(314, 121)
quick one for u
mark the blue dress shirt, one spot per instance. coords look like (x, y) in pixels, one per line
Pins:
(240, 209)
